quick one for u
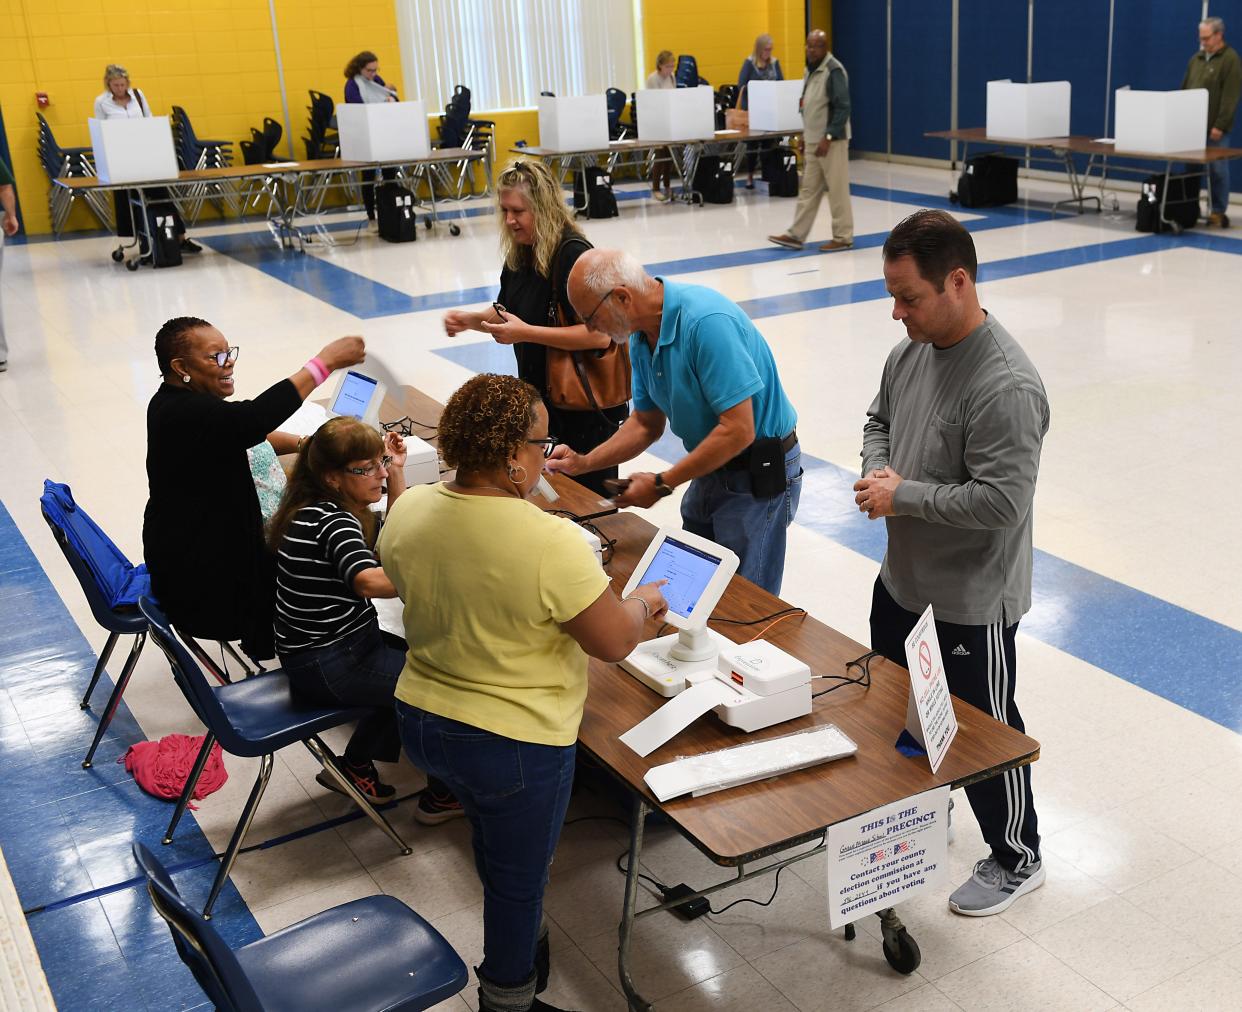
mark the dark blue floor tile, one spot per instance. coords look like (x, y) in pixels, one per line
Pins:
(72, 730)
(104, 987)
(167, 983)
(74, 934)
(42, 857)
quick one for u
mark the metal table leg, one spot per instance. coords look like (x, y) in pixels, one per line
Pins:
(638, 816)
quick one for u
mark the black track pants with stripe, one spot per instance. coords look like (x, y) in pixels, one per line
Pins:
(981, 666)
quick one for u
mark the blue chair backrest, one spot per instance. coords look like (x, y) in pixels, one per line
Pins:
(189, 677)
(117, 580)
(198, 943)
(687, 75)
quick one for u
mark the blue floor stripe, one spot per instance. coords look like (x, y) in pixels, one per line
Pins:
(66, 831)
(1177, 654)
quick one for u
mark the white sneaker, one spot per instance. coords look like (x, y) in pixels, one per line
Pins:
(992, 888)
(661, 196)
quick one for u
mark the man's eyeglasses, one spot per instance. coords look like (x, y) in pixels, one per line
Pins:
(548, 443)
(366, 472)
(598, 306)
(223, 358)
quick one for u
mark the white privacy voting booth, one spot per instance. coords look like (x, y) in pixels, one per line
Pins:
(1161, 121)
(383, 131)
(573, 123)
(133, 150)
(774, 105)
(676, 114)
(1028, 111)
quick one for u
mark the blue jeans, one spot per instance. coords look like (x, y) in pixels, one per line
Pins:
(360, 670)
(515, 794)
(719, 506)
(1218, 175)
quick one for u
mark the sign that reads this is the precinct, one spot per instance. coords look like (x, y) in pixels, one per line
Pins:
(886, 856)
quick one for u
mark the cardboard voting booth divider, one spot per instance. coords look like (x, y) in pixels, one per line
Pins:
(1028, 111)
(573, 123)
(133, 150)
(774, 105)
(676, 114)
(1161, 121)
(383, 131)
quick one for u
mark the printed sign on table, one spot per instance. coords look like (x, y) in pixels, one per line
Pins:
(929, 714)
(886, 856)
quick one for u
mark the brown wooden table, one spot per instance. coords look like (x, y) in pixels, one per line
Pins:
(290, 187)
(1063, 150)
(756, 821)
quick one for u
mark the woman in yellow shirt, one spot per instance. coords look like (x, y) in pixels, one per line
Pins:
(503, 605)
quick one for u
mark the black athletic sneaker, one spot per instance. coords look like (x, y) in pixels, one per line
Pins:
(364, 776)
(434, 808)
(188, 245)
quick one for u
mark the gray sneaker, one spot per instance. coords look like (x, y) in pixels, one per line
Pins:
(992, 888)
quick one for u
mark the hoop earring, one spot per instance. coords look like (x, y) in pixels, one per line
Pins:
(513, 477)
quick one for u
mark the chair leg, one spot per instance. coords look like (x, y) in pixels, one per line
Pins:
(321, 752)
(115, 699)
(191, 782)
(238, 658)
(239, 834)
(104, 657)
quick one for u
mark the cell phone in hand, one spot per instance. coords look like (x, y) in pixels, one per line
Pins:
(616, 486)
(500, 310)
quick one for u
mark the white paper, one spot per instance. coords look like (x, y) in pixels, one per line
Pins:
(306, 420)
(930, 701)
(389, 610)
(677, 714)
(884, 857)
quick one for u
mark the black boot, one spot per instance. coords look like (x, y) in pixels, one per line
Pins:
(495, 998)
(543, 963)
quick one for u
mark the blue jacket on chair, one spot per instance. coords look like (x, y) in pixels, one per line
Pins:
(120, 581)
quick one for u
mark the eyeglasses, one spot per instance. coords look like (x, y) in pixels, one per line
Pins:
(548, 443)
(598, 306)
(223, 358)
(366, 472)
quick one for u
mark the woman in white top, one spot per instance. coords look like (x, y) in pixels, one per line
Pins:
(664, 76)
(120, 100)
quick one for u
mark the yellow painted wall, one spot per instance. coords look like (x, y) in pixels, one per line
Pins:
(720, 34)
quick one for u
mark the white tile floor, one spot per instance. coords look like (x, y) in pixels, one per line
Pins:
(1137, 797)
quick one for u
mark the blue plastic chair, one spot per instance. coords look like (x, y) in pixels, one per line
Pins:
(107, 578)
(253, 718)
(370, 954)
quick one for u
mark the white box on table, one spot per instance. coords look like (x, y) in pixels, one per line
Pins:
(573, 123)
(133, 150)
(774, 105)
(383, 131)
(1161, 121)
(1028, 111)
(422, 463)
(676, 114)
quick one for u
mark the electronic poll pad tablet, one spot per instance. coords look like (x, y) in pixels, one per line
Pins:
(357, 395)
(697, 571)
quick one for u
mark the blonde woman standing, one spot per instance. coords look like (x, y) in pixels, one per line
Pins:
(540, 243)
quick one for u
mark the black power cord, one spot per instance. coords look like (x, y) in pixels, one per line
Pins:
(860, 664)
(607, 545)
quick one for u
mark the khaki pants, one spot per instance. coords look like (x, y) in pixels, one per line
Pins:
(832, 174)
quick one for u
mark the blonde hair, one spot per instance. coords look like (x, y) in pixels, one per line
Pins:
(664, 58)
(761, 43)
(553, 222)
(114, 70)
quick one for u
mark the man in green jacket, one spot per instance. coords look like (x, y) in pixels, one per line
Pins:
(1217, 68)
(825, 148)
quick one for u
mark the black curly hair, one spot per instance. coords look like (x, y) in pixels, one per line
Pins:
(486, 420)
(173, 340)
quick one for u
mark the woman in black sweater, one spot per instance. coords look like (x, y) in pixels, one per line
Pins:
(202, 532)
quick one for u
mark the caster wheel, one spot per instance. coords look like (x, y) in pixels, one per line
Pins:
(131, 265)
(117, 256)
(427, 224)
(906, 956)
(454, 230)
(1176, 228)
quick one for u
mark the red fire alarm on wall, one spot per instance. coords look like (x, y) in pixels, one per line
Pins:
(41, 99)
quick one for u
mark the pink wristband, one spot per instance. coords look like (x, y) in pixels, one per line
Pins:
(317, 369)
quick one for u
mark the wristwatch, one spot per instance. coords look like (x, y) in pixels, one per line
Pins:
(662, 489)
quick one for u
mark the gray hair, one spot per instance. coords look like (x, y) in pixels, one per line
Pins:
(114, 70)
(1214, 23)
(611, 269)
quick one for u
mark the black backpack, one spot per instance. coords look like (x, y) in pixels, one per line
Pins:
(987, 181)
(162, 226)
(713, 178)
(394, 208)
(594, 197)
(1182, 207)
(780, 171)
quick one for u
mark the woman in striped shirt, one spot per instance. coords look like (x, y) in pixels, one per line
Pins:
(327, 631)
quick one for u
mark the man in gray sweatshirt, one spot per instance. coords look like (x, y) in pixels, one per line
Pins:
(950, 458)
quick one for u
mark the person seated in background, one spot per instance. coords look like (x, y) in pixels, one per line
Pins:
(202, 532)
(760, 65)
(121, 100)
(327, 632)
(541, 242)
(503, 605)
(364, 84)
(664, 76)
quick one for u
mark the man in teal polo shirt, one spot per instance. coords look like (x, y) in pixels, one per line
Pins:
(701, 366)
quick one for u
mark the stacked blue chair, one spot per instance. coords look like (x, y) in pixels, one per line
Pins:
(194, 153)
(459, 130)
(61, 162)
(369, 955)
(252, 718)
(112, 585)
